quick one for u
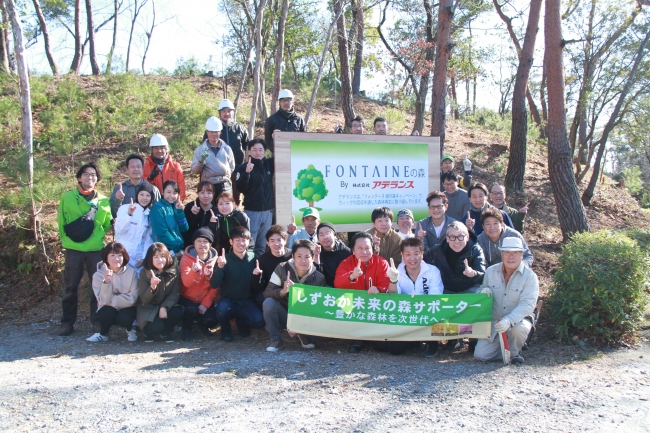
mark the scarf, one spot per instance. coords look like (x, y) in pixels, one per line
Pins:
(159, 161)
(87, 195)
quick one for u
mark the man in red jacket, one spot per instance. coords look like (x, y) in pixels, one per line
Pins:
(159, 166)
(363, 270)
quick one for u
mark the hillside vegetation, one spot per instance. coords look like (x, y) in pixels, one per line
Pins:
(102, 119)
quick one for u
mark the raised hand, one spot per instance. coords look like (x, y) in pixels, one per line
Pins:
(372, 290)
(469, 222)
(469, 272)
(356, 272)
(154, 281)
(416, 133)
(285, 288)
(196, 266)
(292, 227)
(179, 204)
(467, 164)
(421, 233)
(249, 166)
(376, 239)
(195, 208)
(131, 207)
(524, 209)
(393, 273)
(257, 270)
(213, 218)
(108, 274)
(119, 194)
(221, 260)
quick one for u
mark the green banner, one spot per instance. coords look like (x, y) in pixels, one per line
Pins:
(355, 314)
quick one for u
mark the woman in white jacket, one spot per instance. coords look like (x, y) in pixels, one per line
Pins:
(116, 288)
(132, 226)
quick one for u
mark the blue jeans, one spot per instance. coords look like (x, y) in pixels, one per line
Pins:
(247, 313)
(260, 224)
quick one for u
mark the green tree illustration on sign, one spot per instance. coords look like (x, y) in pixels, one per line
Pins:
(310, 185)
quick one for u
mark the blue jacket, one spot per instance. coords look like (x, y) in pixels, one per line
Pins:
(167, 224)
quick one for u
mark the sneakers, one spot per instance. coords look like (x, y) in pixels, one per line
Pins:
(430, 349)
(226, 336)
(97, 338)
(305, 342)
(168, 338)
(132, 335)
(517, 359)
(148, 339)
(66, 329)
(244, 331)
(274, 346)
(355, 347)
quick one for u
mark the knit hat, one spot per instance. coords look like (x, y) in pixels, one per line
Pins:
(325, 224)
(405, 212)
(145, 186)
(203, 232)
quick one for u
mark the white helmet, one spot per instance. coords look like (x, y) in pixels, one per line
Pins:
(158, 140)
(225, 103)
(285, 93)
(213, 124)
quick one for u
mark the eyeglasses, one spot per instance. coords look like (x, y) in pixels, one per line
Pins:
(497, 193)
(438, 207)
(456, 238)
(89, 174)
(356, 125)
(448, 183)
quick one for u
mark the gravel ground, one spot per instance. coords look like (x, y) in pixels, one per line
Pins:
(52, 383)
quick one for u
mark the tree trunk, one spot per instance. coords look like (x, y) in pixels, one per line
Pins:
(136, 11)
(91, 35)
(346, 81)
(26, 119)
(109, 59)
(542, 97)
(519, 128)
(279, 55)
(454, 99)
(4, 40)
(46, 37)
(613, 120)
(319, 75)
(570, 211)
(421, 96)
(358, 52)
(76, 60)
(148, 34)
(242, 81)
(258, 59)
(439, 89)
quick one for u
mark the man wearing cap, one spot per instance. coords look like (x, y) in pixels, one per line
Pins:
(514, 289)
(285, 119)
(447, 165)
(310, 220)
(214, 159)
(495, 231)
(124, 192)
(405, 223)
(433, 229)
(235, 136)
(160, 167)
(331, 253)
(498, 199)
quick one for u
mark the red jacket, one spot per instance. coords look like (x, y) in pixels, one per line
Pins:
(377, 269)
(171, 171)
(195, 286)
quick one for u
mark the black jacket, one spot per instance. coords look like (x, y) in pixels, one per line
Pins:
(453, 279)
(287, 121)
(268, 263)
(225, 224)
(202, 219)
(257, 186)
(235, 136)
(330, 261)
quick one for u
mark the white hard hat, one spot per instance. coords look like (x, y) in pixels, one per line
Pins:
(158, 140)
(213, 124)
(285, 93)
(225, 103)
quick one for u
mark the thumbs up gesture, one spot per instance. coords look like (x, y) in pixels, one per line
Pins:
(213, 218)
(154, 281)
(421, 233)
(285, 288)
(376, 239)
(221, 260)
(249, 165)
(292, 227)
(179, 204)
(467, 164)
(524, 209)
(195, 208)
(356, 272)
(119, 194)
(131, 208)
(469, 272)
(372, 290)
(196, 266)
(108, 274)
(393, 273)
(257, 270)
(469, 222)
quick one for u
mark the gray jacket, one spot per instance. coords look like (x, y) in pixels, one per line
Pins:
(129, 193)
(493, 253)
(459, 204)
(431, 240)
(215, 169)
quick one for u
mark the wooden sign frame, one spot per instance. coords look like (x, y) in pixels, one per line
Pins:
(284, 184)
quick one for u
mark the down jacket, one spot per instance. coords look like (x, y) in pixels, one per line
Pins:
(287, 270)
(453, 278)
(195, 286)
(121, 292)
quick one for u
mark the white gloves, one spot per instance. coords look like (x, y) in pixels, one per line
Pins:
(393, 273)
(467, 164)
(502, 325)
(486, 291)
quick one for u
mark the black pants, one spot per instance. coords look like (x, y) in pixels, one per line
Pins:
(394, 347)
(164, 326)
(191, 313)
(109, 316)
(75, 262)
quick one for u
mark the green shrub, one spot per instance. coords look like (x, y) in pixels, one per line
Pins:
(642, 238)
(599, 288)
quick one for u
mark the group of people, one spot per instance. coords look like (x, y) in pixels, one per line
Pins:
(206, 262)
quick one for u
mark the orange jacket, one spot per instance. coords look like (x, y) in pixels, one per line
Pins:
(171, 171)
(195, 286)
